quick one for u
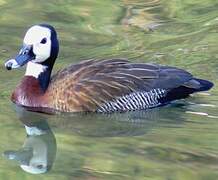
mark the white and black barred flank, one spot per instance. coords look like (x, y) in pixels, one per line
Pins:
(133, 101)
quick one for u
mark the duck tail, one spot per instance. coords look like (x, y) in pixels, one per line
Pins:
(204, 85)
(192, 86)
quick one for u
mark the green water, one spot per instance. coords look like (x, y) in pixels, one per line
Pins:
(175, 143)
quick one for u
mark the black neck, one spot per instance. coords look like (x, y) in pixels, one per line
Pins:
(44, 79)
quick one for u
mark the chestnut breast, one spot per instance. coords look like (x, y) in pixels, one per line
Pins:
(29, 94)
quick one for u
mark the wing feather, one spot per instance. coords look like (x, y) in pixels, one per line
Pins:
(91, 83)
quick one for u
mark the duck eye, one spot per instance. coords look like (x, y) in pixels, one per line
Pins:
(39, 166)
(43, 41)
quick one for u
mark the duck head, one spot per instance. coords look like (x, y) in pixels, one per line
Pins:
(40, 45)
(39, 51)
(38, 151)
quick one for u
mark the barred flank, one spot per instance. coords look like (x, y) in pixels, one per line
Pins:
(133, 101)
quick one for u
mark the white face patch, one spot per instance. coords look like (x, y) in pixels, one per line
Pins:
(33, 169)
(39, 161)
(34, 131)
(40, 38)
(34, 69)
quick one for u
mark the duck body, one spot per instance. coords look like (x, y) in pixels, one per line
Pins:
(108, 86)
(111, 85)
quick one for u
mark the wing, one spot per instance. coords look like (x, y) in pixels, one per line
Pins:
(87, 85)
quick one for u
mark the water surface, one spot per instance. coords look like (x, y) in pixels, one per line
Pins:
(179, 141)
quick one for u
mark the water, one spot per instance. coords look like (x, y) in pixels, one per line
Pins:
(175, 142)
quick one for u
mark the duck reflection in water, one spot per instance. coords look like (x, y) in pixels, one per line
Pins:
(39, 148)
